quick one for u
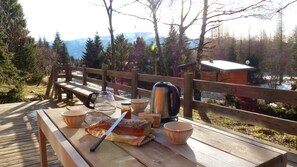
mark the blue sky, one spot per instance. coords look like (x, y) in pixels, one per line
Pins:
(76, 19)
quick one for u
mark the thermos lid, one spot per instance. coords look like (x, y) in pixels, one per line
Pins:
(161, 84)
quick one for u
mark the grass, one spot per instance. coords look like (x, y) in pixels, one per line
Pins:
(30, 92)
(286, 140)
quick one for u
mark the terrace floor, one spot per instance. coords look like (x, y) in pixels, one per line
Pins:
(19, 134)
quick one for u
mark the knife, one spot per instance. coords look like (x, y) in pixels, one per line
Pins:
(93, 148)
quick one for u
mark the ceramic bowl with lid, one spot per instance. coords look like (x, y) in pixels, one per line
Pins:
(74, 118)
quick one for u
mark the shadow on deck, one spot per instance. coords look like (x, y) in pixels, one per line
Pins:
(19, 133)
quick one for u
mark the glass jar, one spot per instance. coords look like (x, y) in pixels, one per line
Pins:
(126, 106)
(105, 102)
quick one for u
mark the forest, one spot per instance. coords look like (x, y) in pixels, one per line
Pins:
(25, 60)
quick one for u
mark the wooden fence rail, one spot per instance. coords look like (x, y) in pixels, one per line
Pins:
(108, 78)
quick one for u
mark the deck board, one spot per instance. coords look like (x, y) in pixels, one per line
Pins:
(19, 136)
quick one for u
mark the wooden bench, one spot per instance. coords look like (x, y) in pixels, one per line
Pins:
(79, 90)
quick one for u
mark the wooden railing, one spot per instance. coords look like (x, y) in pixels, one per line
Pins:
(187, 85)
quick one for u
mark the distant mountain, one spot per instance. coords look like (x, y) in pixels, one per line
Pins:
(77, 47)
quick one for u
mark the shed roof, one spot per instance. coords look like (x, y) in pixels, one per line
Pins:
(220, 65)
(225, 65)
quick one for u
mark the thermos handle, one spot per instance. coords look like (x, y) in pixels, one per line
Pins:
(174, 109)
(88, 100)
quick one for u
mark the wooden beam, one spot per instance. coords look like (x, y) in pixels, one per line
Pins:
(188, 94)
(279, 124)
(274, 95)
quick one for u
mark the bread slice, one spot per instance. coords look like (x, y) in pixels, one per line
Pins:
(125, 127)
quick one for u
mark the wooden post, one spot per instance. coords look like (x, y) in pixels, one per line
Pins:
(50, 83)
(55, 79)
(42, 146)
(134, 82)
(68, 73)
(69, 78)
(104, 76)
(84, 75)
(188, 94)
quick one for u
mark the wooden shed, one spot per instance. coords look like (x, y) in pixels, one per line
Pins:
(221, 71)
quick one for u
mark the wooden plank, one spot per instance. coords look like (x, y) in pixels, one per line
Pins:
(154, 154)
(61, 75)
(77, 77)
(279, 124)
(244, 148)
(205, 154)
(108, 154)
(119, 74)
(77, 89)
(188, 95)
(61, 146)
(73, 68)
(134, 83)
(144, 92)
(93, 80)
(156, 78)
(94, 71)
(274, 95)
(119, 86)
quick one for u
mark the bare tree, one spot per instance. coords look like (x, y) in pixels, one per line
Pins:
(185, 21)
(153, 6)
(109, 10)
(218, 11)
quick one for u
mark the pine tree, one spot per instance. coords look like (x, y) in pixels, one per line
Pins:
(232, 50)
(293, 50)
(60, 48)
(140, 57)
(18, 42)
(43, 43)
(93, 56)
(64, 55)
(122, 52)
(8, 72)
(169, 50)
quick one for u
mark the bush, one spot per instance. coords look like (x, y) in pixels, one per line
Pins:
(13, 95)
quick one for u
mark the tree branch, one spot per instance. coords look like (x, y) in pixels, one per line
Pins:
(284, 7)
(231, 12)
(132, 15)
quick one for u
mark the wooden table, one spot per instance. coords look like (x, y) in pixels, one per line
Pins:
(206, 147)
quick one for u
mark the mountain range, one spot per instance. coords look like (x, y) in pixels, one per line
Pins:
(77, 47)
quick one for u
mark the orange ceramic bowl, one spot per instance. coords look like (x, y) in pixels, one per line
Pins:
(178, 132)
(74, 118)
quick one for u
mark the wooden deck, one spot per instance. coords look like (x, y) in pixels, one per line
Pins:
(19, 134)
(19, 138)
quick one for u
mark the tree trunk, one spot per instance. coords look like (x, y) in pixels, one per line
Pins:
(160, 54)
(197, 93)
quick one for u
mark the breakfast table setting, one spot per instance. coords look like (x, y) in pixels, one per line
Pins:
(144, 132)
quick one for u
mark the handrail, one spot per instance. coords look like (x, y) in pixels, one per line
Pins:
(187, 85)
